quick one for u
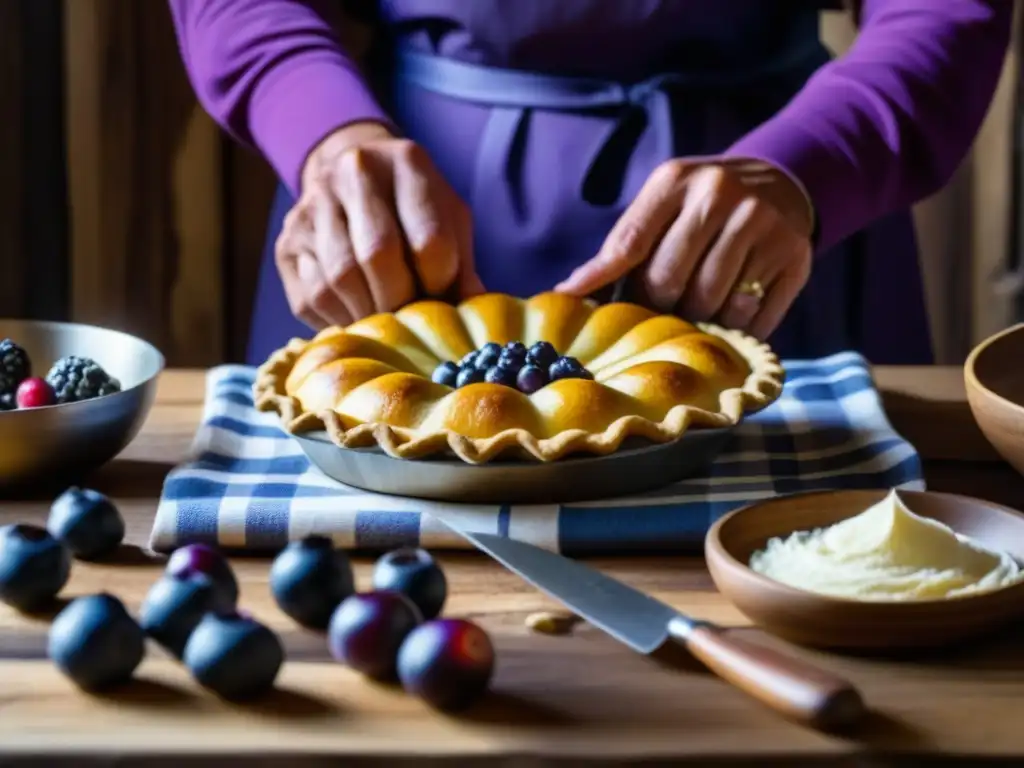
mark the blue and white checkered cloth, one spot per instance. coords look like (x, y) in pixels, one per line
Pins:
(248, 485)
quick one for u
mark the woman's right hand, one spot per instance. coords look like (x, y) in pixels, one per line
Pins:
(376, 224)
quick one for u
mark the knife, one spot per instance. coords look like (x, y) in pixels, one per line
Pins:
(794, 688)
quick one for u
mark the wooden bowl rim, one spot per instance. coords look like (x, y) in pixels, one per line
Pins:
(713, 542)
(971, 379)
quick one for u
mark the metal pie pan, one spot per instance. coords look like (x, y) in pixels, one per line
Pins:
(637, 467)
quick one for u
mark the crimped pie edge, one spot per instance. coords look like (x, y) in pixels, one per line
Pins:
(762, 386)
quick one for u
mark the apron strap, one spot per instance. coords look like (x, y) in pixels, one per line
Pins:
(512, 94)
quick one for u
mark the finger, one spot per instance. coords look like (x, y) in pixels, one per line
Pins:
(634, 235)
(373, 231)
(296, 295)
(719, 271)
(778, 300)
(470, 283)
(705, 211)
(765, 264)
(295, 238)
(319, 301)
(428, 231)
(337, 258)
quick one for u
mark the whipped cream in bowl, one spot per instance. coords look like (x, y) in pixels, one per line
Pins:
(886, 553)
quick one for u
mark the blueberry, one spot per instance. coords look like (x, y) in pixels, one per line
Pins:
(469, 376)
(309, 578)
(511, 360)
(233, 655)
(501, 375)
(87, 522)
(96, 643)
(568, 368)
(415, 574)
(34, 566)
(468, 360)
(488, 356)
(515, 349)
(204, 559)
(445, 373)
(175, 605)
(448, 663)
(367, 630)
(487, 360)
(531, 378)
(542, 354)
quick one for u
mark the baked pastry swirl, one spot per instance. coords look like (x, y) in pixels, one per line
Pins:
(618, 370)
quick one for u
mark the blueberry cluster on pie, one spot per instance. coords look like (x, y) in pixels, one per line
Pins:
(512, 365)
(539, 378)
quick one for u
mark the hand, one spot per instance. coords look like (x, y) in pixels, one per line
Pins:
(375, 225)
(710, 235)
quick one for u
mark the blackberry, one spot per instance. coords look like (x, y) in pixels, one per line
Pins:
(15, 365)
(75, 378)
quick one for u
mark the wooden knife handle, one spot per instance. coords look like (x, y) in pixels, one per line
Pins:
(794, 688)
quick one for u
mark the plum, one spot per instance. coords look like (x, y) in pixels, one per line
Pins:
(309, 579)
(447, 662)
(416, 574)
(367, 630)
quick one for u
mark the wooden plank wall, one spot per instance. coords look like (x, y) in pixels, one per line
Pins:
(166, 211)
(12, 234)
(33, 211)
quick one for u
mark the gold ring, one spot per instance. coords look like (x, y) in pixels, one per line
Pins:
(751, 288)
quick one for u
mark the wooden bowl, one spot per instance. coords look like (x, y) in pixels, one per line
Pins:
(994, 379)
(823, 621)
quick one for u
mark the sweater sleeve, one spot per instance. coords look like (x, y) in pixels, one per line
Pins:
(888, 123)
(273, 73)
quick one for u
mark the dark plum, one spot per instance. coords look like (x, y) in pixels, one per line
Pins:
(34, 566)
(446, 373)
(309, 579)
(542, 354)
(87, 522)
(501, 375)
(175, 605)
(233, 655)
(530, 379)
(207, 560)
(469, 376)
(96, 643)
(367, 630)
(568, 368)
(448, 663)
(415, 574)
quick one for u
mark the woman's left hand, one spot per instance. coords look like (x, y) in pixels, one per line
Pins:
(727, 241)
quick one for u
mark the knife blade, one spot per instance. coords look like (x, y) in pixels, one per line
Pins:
(792, 687)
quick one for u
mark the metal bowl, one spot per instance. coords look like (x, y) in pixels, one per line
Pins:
(58, 445)
(637, 467)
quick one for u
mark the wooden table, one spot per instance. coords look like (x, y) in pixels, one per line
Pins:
(574, 700)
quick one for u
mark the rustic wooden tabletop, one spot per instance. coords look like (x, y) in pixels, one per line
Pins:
(573, 700)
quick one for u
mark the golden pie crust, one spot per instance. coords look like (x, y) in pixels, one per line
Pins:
(655, 376)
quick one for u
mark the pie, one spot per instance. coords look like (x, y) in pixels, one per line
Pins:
(537, 379)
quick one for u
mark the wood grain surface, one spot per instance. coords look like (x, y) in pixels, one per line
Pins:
(579, 699)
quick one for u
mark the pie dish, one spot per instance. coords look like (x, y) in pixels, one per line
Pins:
(540, 378)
